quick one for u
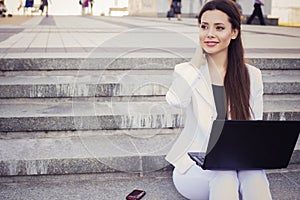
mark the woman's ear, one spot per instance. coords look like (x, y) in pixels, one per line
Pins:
(234, 34)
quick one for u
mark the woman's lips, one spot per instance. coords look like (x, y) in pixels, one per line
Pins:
(211, 43)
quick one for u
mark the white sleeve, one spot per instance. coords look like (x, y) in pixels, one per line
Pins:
(184, 78)
(257, 96)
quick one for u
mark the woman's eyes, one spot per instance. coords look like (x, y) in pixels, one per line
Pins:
(204, 27)
(219, 28)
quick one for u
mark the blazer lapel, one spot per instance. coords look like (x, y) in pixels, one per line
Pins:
(204, 88)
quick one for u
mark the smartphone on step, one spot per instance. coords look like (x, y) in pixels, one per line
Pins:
(136, 195)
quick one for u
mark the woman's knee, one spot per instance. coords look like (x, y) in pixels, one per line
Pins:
(254, 185)
(225, 178)
(253, 179)
(191, 185)
(225, 185)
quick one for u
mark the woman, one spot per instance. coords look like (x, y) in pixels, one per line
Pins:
(2, 9)
(85, 5)
(176, 6)
(44, 5)
(215, 84)
(257, 12)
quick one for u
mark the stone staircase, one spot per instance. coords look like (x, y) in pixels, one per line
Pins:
(72, 115)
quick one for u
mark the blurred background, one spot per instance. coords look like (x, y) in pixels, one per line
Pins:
(288, 11)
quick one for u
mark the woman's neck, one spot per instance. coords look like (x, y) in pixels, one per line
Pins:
(217, 64)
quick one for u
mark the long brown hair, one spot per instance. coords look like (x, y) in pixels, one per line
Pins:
(237, 80)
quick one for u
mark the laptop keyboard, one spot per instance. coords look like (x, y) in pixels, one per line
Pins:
(200, 159)
(197, 157)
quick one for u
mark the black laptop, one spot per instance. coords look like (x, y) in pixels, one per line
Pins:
(248, 145)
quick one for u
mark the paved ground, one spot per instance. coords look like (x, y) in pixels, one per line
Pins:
(76, 36)
(285, 185)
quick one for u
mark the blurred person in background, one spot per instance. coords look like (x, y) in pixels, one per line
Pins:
(176, 6)
(2, 9)
(257, 12)
(85, 6)
(91, 6)
(44, 6)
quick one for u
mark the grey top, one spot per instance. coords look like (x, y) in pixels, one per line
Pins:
(220, 100)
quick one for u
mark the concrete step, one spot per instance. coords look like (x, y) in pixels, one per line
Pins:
(151, 61)
(79, 115)
(119, 83)
(281, 107)
(86, 152)
(92, 115)
(287, 81)
(123, 84)
(91, 152)
(284, 185)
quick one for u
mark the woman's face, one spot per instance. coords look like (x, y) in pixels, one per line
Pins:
(216, 32)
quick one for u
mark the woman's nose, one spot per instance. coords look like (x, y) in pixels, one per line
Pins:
(210, 33)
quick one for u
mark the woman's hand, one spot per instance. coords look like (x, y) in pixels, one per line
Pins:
(198, 59)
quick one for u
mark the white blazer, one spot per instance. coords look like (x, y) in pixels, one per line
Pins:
(191, 91)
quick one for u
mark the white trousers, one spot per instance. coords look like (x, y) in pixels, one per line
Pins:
(199, 184)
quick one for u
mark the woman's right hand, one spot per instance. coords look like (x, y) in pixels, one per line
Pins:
(198, 59)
